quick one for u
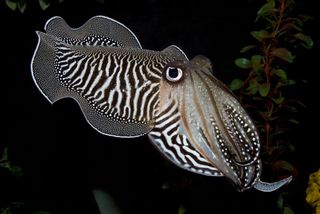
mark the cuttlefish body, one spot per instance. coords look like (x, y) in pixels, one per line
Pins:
(126, 91)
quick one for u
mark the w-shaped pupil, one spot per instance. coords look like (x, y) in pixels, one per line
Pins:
(173, 72)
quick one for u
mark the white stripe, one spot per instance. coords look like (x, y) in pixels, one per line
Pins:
(170, 112)
(166, 151)
(98, 77)
(128, 90)
(93, 66)
(152, 109)
(196, 164)
(145, 99)
(195, 153)
(118, 88)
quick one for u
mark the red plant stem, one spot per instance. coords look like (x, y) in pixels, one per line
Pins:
(267, 66)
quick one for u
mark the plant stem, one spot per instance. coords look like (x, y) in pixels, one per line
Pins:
(267, 65)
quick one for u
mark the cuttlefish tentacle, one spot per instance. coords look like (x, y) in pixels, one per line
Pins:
(270, 187)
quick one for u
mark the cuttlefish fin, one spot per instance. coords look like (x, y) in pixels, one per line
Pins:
(100, 28)
(45, 77)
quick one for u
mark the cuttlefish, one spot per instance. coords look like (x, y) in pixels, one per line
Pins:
(126, 91)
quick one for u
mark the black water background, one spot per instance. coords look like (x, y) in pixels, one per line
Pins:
(63, 158)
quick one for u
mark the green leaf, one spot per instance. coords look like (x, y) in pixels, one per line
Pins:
(305, 18)
(260, 35)
(291, 25)
(292, 109)
(165, 185)
(285, 165)
(22, 5)
(236, 84)
(295, 20)
(278, 100)
(256, 63)
(264, 89)
(5, 210)
(182, 210)
(287, 210)
(247, 48)
(281, 74)
(307, 41)
(275, 134)
(291, 147)
(253, 87)
(16, 171)
(40, 212)
(44, 4)
(301, 104)
(291, 82)
(243, 63)
(294, 121)
(296, 27)
(11, 4)
(280, 201)
(4, 154)
(266, 9)
(283, 54)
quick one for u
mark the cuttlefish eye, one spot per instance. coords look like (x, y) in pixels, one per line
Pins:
(173, 74)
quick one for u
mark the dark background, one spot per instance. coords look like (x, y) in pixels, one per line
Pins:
(63, 158)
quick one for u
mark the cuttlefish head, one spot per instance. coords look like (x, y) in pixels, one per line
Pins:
(201, 126)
